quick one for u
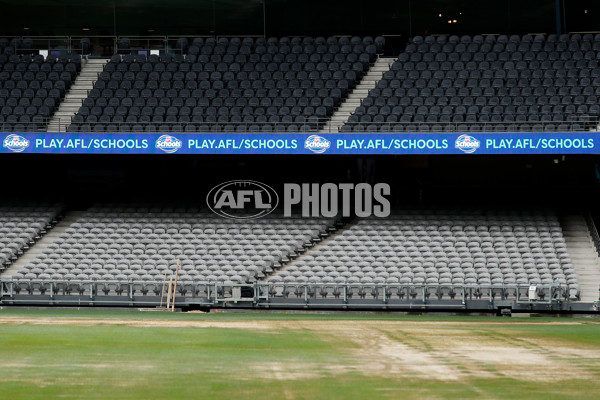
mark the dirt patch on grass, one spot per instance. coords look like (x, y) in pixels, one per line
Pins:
(435, 352)
(143, 323)
(396, 357)
(285, 371)
(422, 326)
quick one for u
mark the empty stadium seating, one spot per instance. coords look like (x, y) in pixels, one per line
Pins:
(440, 251)
(227, 84)
(444, 249)
(32, 87)
(487, 83)
(439, 83)
(136, 244)
(20, 226)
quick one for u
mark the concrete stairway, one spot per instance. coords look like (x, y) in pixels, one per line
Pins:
(76, 94)
(368, 82)
(583, 253)
(317, 246)
(43, 244)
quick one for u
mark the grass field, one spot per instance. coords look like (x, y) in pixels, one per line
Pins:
(49, 354)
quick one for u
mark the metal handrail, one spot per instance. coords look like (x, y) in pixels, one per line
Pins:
(581, 124)
(593, 231)
(312, 125)
(136, 43)
(556, 293)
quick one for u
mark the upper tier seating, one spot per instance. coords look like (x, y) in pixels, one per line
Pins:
(487, 83)
(442, 247)
(229, 84)
(31, 88)
(20, 226)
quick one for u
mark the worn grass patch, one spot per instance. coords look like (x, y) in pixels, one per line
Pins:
(50, 354)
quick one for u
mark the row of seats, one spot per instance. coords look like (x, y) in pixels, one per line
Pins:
(16, 46)
(440, 82)
(298, 124)
(495, 60)
(466, 108)
(143, 245)
(480, 96)
(525, 248)
(224, 45)
(172, 65)
(196, 111)
(517, 83)
(497, 86)
(449, 248)
(192, 46)
(466, 126)
(505, 39)
(27, 46)
(291, 83)
(21, 226)
(32, 87)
